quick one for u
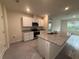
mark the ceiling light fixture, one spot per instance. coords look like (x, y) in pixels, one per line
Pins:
(28, 9)
(74, 16)
(66, 8)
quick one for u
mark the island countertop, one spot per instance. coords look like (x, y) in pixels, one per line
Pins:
(57, 39)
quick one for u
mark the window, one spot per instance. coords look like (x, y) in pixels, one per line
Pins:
(73, 27)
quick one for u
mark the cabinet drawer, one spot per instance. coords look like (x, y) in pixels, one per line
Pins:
(28, 36)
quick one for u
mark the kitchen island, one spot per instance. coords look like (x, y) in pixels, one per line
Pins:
(49, 45)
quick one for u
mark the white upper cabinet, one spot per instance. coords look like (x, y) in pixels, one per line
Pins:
(41, 22)
(35, 20)
(27, 21)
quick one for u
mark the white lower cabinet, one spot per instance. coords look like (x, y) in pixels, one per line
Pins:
(47, 49)
(28, 36)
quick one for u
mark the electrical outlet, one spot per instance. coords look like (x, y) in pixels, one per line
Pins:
(13, 37)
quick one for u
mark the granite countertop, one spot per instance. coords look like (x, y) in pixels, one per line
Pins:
(57, 39)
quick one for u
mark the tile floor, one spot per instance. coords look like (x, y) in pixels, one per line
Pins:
(22, 50)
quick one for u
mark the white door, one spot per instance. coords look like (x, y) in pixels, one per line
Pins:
(2, 30)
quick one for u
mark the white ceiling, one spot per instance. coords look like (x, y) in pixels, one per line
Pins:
(41, 7)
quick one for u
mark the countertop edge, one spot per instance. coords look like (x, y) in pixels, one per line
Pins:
(53, 42)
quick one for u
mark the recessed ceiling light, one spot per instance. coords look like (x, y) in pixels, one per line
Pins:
(74, 16)
(28, 9)
(66, 8)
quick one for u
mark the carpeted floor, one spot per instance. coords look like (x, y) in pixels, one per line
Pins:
(22, 50)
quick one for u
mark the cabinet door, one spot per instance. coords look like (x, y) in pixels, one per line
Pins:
(27, 21)
(35, 20)
(41, 22)
(43, 48)
(31, 35)
(26, 36)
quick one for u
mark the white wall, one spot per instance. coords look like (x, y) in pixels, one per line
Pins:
(6, 25)
(14, 22)
(4, 38)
